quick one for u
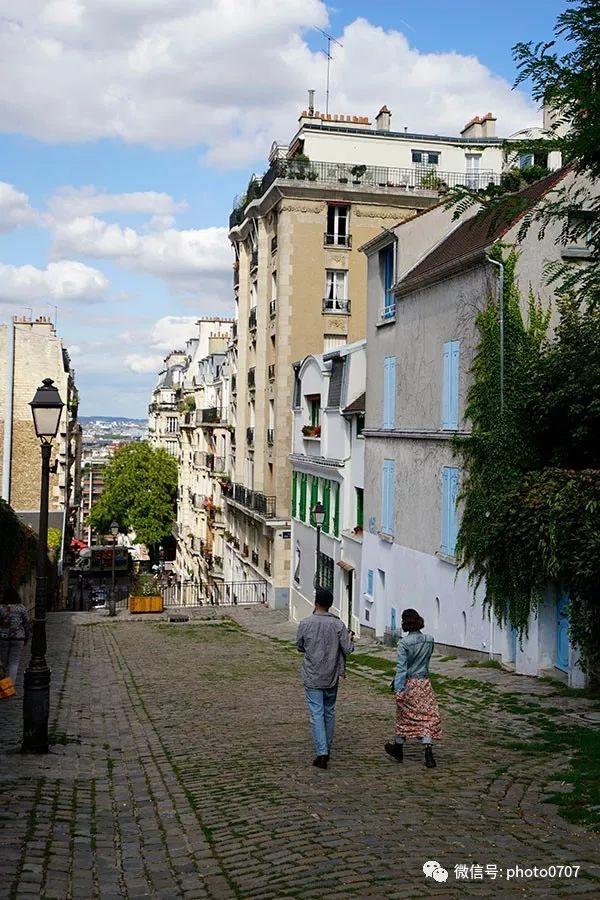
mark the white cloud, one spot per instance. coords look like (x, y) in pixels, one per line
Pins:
(168, 333)
(196, 260)
(14, 208)
(69, 203)
(229, 75)
(62, 280)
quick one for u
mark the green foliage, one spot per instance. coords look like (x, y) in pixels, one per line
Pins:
(18, 548)
(145, 585)
(532, 490)
(54, 538)
(140, 488)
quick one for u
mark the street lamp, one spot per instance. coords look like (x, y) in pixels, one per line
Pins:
(46, 408)
(318, 515)
(114, 530)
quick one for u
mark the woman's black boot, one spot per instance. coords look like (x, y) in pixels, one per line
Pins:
(429, 759)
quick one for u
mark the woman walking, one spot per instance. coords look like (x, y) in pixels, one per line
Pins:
(417, 713)
(14, 631)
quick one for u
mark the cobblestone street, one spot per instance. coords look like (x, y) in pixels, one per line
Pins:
(181, 768)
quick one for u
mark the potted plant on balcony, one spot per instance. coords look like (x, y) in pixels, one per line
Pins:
(357, 173)
(145, 596)
(313, 431)
(299, 167)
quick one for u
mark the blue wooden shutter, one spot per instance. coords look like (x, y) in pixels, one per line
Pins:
(370, 582)
(387, 497)
(450, 477)
(389, 391)
(451, 358)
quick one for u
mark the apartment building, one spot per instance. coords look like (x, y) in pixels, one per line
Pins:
(300, 289)
(31, 350)
(419, 357)
(204, 460)
(163, 411)
(328, 467)
(92, 487)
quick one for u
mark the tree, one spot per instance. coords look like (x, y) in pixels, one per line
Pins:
(567, 83)
(140, 491)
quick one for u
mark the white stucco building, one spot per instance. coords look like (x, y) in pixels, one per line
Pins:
(328, 466)
(426, 283)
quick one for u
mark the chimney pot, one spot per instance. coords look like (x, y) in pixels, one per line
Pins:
(311, 103)
(383, 119)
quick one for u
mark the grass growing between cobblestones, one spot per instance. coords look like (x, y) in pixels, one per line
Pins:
(579, 746)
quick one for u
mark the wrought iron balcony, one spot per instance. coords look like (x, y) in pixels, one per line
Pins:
(255, 557)
(252, 378)
(234, 384)
(274, 243)
(336, 306)
(267, 567)
(337, 240)
(272, 308)
(388, 311)
(254, 260)
(270, 436)
(254, 500)
(271, 372)
(252, 319)
(250, 437)
(210, 416)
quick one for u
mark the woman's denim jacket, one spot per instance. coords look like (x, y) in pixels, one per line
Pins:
(414, 653)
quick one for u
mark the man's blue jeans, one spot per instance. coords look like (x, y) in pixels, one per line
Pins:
(321, 709)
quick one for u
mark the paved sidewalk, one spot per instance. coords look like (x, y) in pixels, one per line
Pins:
(180, 768)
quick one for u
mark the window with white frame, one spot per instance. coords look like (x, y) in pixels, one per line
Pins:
(425, 157)
(337, 225)
(336, 291)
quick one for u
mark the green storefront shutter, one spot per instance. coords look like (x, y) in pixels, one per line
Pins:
(294, 493)
(336, 514)
(326, 503)
(314, 497)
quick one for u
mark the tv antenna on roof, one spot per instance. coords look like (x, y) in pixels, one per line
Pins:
(327, 53)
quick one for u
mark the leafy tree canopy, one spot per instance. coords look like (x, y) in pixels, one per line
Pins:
(140, 490)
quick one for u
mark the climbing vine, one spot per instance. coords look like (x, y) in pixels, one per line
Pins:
(18, 548)
(532, 491)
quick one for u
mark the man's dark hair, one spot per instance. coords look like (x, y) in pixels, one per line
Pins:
(11, 596)
(412, 620)
(323, 598)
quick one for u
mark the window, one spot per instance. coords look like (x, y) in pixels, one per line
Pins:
(389, 391)
(360, 495)
(314, 409)
(337, 226)
(387, 496)
(172, 425)
(370, 582)
(425, 157)
(450, 477)
(526, 160)
(387, 272)
(451, 358)
(325, 568)
(336, 291)
(360, 424)
(473, 162)
(297, 560)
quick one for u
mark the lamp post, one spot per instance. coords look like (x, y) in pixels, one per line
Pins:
(114, 530)
(318, 514)
(46, 408)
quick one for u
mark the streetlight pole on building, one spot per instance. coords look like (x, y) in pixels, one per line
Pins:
(114, 530)
(46, 408)
(318, 515)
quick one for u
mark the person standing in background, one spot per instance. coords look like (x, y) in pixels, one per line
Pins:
(14, 631)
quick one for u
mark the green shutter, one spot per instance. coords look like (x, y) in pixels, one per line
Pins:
(303, 497)
(326, 503)
(336, 514)
(294, 493)
(359, 507)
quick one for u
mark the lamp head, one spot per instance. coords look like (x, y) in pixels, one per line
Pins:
(114, 528)
(318, 512)
(46, 408)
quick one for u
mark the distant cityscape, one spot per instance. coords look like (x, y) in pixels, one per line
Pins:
(102, 432)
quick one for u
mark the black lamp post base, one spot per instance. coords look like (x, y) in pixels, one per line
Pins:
(36, 710)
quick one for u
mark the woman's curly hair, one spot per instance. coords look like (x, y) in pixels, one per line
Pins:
(412, 620)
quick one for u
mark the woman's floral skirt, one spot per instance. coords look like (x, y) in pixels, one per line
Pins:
(417, 713)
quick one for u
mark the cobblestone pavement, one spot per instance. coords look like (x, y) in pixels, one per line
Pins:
(181, 768)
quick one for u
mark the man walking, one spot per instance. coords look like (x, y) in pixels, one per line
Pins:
(324, 640)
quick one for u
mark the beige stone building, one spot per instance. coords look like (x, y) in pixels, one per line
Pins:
(163, 411)
(31, 350)
(300, 289)
(204, 461)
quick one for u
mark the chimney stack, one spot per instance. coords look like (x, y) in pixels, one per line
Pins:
(383, 119)
(480, 127)
(311, 103)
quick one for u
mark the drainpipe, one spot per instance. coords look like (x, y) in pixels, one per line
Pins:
(8, 410)
(500, 267)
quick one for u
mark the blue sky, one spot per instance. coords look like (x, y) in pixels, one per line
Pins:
(128, 128)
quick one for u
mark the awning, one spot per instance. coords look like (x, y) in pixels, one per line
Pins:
(345, 565)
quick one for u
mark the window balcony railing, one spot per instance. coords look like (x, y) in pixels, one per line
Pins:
(210, 416)
(245, 550)
(270, 436)
(252, 378)
(337, 240)
(336, 306)
(233, 384)
(272, 308)
(388, 311)
(274, 243)
(252, 319)
(267, 567)
(254, 500)
(271, 372)
(254, 557)
(250, 436)
(254, 259)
